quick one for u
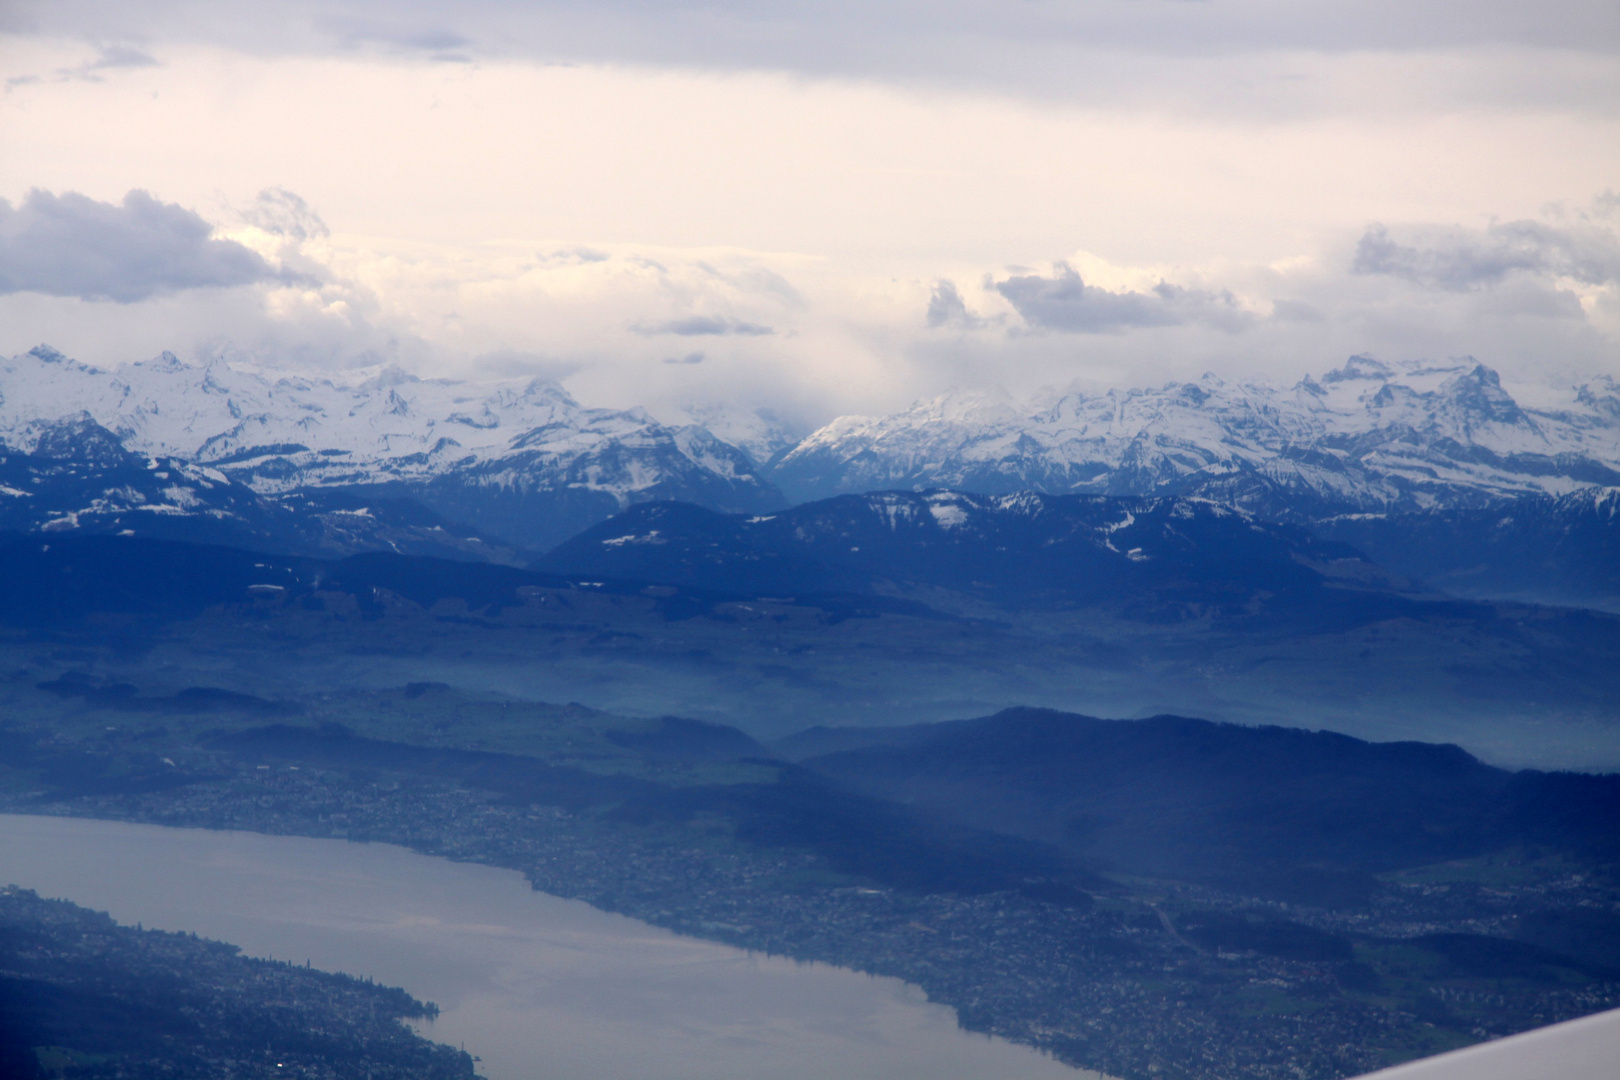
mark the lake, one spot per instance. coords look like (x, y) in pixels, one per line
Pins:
(540, 988)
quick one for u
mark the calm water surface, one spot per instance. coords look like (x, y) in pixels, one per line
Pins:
(538, 987)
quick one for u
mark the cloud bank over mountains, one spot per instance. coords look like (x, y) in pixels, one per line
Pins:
(312, 301)
(1462, 259)
(821, 209)
(70, 245)
(1064, 301)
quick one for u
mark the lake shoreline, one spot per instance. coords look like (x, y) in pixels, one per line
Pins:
(899, 1010)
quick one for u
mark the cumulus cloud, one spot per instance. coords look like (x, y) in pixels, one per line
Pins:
(72, 245)
(1065, 302)
(705, 325)
(946, 308)
(1466, 259)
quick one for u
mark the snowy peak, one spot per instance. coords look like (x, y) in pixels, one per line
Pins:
(523, 461)
(79, 438)
(1601, 396)
(761, 433)
(1367, 435)
(1359, 368)
(215, 411)
(459, 447)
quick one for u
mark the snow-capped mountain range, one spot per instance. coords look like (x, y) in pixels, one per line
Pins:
(519, 460)
(525, 463)
(1364, 437)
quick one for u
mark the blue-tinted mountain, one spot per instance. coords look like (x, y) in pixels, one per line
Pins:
(1283, 811)
(1158, 558)
(1552, 549)
(80, 478)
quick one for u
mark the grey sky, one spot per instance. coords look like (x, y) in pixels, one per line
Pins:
(872, 37)
(850, 204)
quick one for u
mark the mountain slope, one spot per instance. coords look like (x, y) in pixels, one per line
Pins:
(1159, 558)
(1366, 437)
(1553, 549)
(1299, 814)
(522, 460)
(81, 479)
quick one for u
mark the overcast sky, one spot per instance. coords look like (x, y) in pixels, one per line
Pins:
(826, 208)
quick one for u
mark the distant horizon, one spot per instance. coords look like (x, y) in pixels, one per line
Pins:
(1533, 395)
(846, 207)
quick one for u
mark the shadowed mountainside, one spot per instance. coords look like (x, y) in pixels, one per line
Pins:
(1563, 550)
(1156, 558)
(1294, 813)
(79, 479)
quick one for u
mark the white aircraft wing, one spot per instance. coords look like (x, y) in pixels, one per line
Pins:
(1584, 1049)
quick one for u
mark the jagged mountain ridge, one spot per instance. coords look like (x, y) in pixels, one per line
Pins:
(525, 464)
(1365, 437)
(80, 478)
(522, 461)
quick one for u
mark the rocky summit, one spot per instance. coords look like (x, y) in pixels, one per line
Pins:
(522, 460)
(525, 466)
(1367, 437)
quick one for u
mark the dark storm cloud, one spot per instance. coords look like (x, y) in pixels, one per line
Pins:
(705, 325)
(71, 245)
(1065, 302)
(1460, 259)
